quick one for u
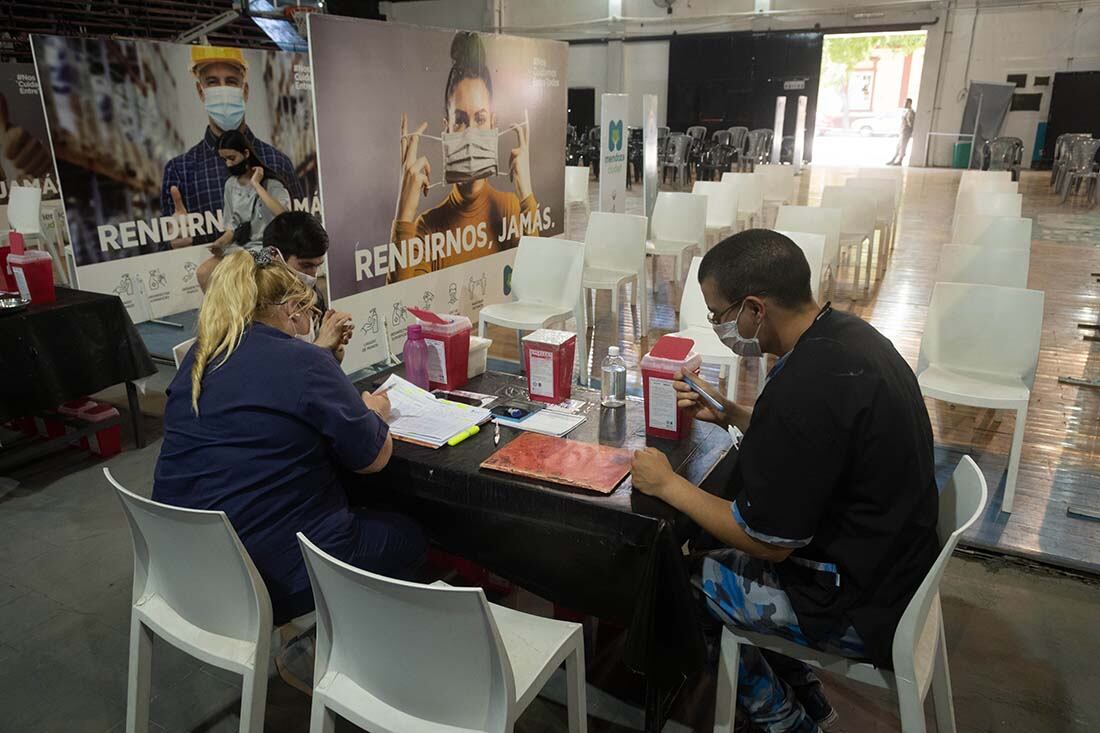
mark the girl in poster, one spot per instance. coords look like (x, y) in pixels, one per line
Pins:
(497, 218)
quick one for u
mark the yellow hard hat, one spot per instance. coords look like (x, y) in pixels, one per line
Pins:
(202, 55)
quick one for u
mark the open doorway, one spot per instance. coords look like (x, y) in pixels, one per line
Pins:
(865, 80)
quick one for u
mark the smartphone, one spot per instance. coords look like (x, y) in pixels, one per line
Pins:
(717, 407)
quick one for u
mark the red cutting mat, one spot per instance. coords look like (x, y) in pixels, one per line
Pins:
(595, 467)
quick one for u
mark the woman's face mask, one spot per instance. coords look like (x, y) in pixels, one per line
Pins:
(225, 106)
(730, 335)
(470, 154)
(239, 168)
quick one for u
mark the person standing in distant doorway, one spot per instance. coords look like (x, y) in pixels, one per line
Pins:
(907, 118)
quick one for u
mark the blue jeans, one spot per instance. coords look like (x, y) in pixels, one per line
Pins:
(389, 544)
(745, 593)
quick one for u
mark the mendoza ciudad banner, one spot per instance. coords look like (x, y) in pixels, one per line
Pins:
(439, 150)
(157, 146)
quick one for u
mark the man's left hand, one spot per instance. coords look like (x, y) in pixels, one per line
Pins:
(332, 334)
(651, 473)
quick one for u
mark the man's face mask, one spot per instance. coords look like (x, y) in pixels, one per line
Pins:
(470, 154)
(225, 106)
(730, 335)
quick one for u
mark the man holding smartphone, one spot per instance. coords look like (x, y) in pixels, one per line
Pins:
(833, 523)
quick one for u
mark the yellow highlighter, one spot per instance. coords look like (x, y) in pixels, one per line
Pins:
(463, 435)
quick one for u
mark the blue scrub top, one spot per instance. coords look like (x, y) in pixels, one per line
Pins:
(276, 424)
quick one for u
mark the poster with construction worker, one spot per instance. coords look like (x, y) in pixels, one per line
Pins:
(170, 154)
(26, 160)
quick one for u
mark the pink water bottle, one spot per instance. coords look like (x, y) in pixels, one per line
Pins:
(416, 358)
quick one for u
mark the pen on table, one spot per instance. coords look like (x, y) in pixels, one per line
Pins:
(496, 433)
(463, 435)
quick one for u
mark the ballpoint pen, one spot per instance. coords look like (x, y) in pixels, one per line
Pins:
(496, 433)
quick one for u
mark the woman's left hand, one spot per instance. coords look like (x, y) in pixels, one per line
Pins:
(519, 166)
(257, 176)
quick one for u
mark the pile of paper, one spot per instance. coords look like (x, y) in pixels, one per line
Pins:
(418, 417)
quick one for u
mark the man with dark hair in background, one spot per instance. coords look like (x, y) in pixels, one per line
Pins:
(832, 523)
(908, 117)
(303, 243)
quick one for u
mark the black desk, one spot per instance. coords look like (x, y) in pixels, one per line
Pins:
(615, 557)
(78, 345)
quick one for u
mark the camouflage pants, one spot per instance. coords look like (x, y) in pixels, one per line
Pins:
(744, 592)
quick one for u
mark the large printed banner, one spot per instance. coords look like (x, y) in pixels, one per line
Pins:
(135, 127)
(26, 160)
(438, 151)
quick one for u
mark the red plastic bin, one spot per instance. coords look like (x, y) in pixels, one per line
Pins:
(448, 341)
(548, 360)
(663, 419)
(33, 275)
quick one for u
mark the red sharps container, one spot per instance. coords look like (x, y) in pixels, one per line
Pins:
(663, 419)
(548, 361)
(448, 340)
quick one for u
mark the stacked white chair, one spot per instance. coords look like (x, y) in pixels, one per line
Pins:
(408, 658)
(546, 284)
(815, 220)
(1012, 232)
(885, 207)
(813, 247)
(920, 646)
(750, 197)
(614, 256)
(969, 263)
(981, 348)
(196, 587)
(678, 226)
(986, 204)
(695, 326)
(576, 188)
(721, 209)
(778, 184)
(857, 223)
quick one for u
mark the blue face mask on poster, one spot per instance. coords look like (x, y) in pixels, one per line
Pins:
(225, 106)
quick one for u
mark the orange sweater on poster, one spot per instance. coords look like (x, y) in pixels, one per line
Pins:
(495, 208)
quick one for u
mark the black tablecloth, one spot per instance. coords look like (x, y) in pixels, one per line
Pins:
(616, 557)
(52, 353)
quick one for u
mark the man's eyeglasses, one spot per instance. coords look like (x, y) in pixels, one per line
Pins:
(715, 318)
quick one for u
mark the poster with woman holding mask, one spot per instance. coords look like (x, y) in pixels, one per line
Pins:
(466, 153)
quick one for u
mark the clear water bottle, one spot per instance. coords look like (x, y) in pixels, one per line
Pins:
(416, 358)
(613, 379)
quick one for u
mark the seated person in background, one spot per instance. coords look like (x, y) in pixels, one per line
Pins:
(303, 243)
(262, 426)
(833, 523)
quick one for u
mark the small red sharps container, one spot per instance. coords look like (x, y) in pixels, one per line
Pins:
(663, 419)
(448, 340)
(548, 361)
(33, 274)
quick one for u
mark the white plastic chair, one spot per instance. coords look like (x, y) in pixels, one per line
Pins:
(750, 197)
(968, 263)
(980, 348)
(857, 223)
(1012, 232)
(399, 657)
(920, 645)
(987, 204)
(614, 255)
(813, 246)
(778, 183)
(895, 175)
(721, 209)
(988, 185)
(679, 225)
(885, 206)
(975, 177)
(576, 188)
(546, 285)
(180, 350)
(814, 220)
(195, 586)
(695, 326)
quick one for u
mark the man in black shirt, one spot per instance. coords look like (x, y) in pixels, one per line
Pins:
(833, 524)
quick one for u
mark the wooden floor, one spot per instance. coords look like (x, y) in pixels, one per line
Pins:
(1059, 465)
